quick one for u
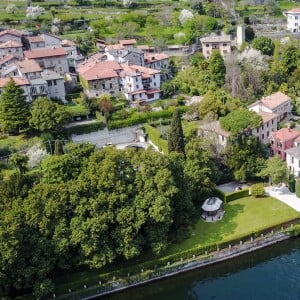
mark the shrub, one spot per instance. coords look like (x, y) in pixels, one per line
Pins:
(236, 195)
(292, 183)
(298, 188)
(257, 190)
(85, 128)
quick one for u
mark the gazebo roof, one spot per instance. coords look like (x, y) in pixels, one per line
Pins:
(212, 204)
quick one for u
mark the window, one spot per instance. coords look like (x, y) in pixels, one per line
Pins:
(110, 85)
(207, 45)
(54, 82)
(224, 45)
(296, 17)
(267, 133)
(299, 163)
(262, 136)
(50, 83)
(137, 86)
(95, 86)
(103, 85)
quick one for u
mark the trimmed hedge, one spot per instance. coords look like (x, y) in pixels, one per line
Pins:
(231, 196)
(298, 188)
(292, 183)
(257, 190)
(146, 117)
(85, 128)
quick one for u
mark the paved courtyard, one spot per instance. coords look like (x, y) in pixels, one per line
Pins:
(284, 195)
(231, 187)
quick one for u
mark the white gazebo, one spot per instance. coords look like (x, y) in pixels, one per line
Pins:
(212, 209)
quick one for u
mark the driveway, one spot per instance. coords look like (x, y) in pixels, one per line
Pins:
(284, 195)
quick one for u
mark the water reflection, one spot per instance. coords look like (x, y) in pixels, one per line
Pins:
(269, 274)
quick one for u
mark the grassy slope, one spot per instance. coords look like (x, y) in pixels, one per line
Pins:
(241, 217)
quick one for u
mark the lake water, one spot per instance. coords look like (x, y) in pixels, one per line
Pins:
(269, 274)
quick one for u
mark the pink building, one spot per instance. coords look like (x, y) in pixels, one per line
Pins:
(282, 140)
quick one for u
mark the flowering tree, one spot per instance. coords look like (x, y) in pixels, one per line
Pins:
(33, 12)
(185, 15)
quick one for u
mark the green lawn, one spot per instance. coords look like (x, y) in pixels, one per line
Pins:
(241, 217)
(18, 143)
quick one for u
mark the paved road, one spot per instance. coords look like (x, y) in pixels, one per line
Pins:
(102, 137)
(284, 195)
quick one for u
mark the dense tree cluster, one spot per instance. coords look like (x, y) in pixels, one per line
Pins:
(92, 207)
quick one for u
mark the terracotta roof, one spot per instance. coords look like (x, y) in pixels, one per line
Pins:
(18, 80)
(134, 69)
(115, 47)
(45, 52)
(285, 134)
(216, 39)
(127, 42)
(272, 101)
(11, 32)
(216, 128)
(11, 44)
(266, 116)
(35, 39)
(52, 35)
(294, 10)
(99, 70)
(67, 43)
(28, 66)
(7, 58)
(152, 57)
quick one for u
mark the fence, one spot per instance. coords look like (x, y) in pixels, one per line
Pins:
(217, 253)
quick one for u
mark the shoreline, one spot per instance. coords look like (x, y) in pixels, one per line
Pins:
(218, 256)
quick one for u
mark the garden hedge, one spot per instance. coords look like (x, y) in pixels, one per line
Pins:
(231, 196)
(85, 128)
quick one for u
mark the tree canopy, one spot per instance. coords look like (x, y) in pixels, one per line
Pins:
(263, 44)
(14, 111)
(176, 137)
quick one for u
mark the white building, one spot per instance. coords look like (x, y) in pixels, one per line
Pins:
(56, 86)
(269, 125)
(220, 43)
(11, 47)
(293, 19)
(293, 161)
(140, 84)
(277, 103)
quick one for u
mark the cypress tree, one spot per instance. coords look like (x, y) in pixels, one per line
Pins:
(14, 110)
(176, 137)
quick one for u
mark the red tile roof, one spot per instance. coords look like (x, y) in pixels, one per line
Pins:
(11, 32)
(45, 52)
(18, 80)
(35, 39)
(272, 101)
(153, 57)
(10, 44)
(266, 116)
(133, 69)
(294, 10)
(28, 66)
(7, 58)
(285, 134)
(99, 70)
(127, 42)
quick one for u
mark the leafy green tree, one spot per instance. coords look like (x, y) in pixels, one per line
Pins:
(176, 137)
(14, 111)
(264, 44)
(275, 169)
(211, 104)
(20, 162)
(47, 115)
(199, 170)
(291, 57)
(184, 211)
(245, 156)
(217, 69)
(240, 120)
(257, 190)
